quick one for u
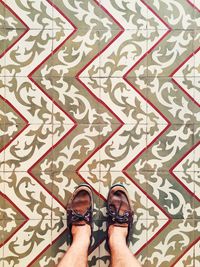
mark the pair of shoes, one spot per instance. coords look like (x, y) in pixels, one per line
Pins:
(119, 210)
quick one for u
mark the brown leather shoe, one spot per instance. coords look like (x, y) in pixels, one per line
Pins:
(80, 208)
(119, 209)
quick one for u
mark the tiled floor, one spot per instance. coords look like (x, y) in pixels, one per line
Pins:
(100, 91)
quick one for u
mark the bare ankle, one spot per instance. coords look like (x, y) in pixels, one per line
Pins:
(117, 235)
(81, 234)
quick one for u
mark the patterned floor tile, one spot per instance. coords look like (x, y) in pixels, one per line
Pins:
(35, 235)
(79, 99)
(197, 191)
(35, 40)
(73, 152)
(41, 14)
(33, 198)
(196, 252)
(2, 194)
(167, 150)
(121, 148)
(196, 89)
(187, 259)
(9, 38)
(31, 104)
(173, 195)
(197, 12)
(90, 15)
(132, 15)
(1, 239)
(20, 152)
(128, 106)
(94, 258)
(164, 250)
(100, 92)
(123, 55)
(76, 54)
(172, 13)
(2, 15)
(10, 228)
(196, 141)
(170, 44)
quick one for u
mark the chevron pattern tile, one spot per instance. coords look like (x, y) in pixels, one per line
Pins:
(102, 92)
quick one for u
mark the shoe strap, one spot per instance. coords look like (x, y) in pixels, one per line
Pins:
(77, 217)
(115, 217)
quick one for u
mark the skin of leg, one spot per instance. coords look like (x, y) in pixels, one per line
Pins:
(121, 256)
(77, 254)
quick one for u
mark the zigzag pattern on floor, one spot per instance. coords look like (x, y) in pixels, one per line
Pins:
(102, 92)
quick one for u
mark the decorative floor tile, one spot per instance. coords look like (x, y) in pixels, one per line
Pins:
(196, 252)
(32, 195)
(197, 191)
(166, 151)
(81, 98)
(100, 92)
(163, 249)
(73, 152)
(172, 13)
(133, 15)
(1, 239)
(41, 14)
(173, 195)
(172, 96)
(76, 54)
(31, 234)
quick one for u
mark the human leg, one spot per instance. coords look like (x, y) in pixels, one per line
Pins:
(77, 253)
(79, 220)
(120, 219)
(121, 256)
